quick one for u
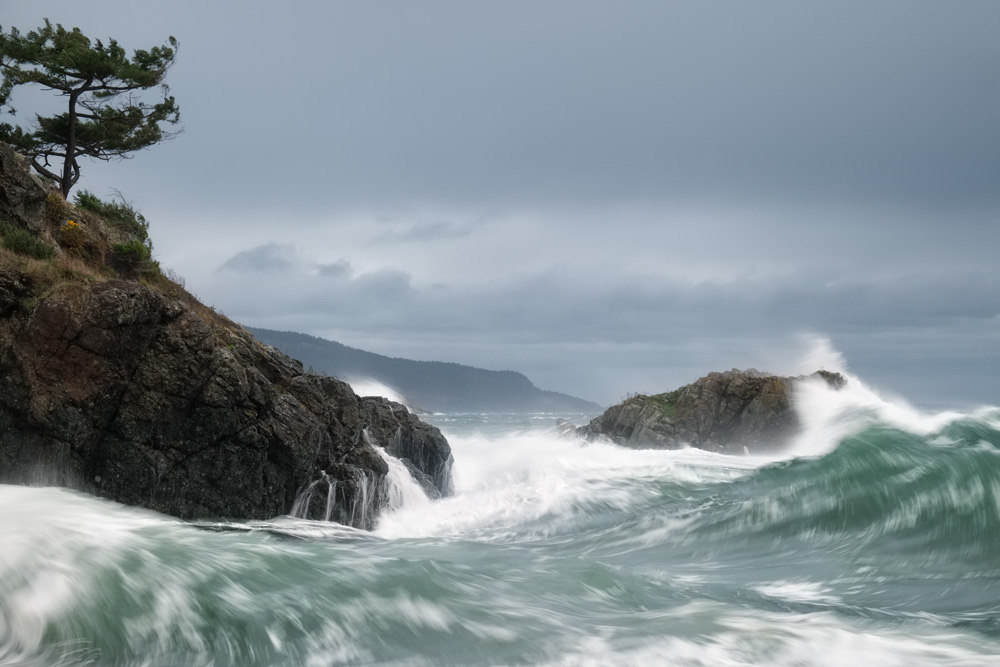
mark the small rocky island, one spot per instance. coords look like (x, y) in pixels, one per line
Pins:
(721, 412)
(116, 381)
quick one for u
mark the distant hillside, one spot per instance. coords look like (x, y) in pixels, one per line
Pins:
(433, 386)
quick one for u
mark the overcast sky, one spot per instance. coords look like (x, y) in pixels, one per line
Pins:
(607, 196)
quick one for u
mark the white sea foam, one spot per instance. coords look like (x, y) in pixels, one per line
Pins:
(503, 483)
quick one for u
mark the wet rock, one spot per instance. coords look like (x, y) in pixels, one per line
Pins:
(114, 389)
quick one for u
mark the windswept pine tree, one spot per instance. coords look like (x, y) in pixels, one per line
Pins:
(105, 117)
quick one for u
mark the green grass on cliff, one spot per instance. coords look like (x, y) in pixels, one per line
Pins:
(23, 242)
(120, 214)
(91, 241)
(666, 402)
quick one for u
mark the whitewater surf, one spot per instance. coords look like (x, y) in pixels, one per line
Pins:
(871, 540)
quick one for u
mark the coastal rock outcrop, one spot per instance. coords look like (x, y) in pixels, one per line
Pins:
(722, 412)
(117, 390)
(134, 391)
(22, 195)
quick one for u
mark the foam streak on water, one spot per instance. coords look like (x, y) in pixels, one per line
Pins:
(872, 540)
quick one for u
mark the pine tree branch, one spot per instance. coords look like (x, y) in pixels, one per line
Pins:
(42, 170)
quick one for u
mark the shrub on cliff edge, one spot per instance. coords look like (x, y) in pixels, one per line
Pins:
(120, 214)
(24, 242)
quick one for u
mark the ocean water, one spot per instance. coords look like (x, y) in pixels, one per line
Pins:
(873, 539)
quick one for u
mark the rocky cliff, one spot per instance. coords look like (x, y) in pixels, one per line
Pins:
(722, 412)
(134, 391)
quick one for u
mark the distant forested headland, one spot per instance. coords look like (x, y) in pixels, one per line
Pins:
(432, 386)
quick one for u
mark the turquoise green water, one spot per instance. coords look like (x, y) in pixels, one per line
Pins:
(872, 541)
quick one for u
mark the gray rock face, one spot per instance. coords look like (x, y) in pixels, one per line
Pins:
(22, 196)
(12, 290)
(721, 412)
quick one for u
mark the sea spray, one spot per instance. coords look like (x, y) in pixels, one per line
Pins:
(828, 415)
(403, 490)
(367, 496)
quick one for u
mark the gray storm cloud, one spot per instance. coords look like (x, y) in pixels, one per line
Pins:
(269, 258)
(683, 185)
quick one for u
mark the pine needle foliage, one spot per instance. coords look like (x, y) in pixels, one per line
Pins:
(105, 116)
(23, 242)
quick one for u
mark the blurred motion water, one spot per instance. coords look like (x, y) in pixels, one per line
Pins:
(873, 540)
